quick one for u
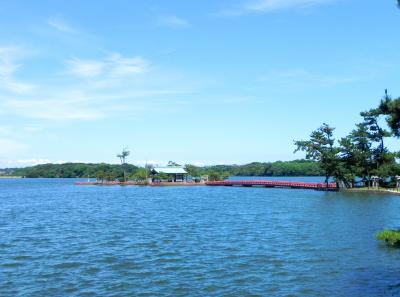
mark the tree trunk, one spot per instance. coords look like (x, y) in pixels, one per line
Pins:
(326, 182)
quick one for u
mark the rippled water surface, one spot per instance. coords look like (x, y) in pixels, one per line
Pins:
(57, 239)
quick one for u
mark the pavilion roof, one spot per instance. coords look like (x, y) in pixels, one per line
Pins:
(170, 170)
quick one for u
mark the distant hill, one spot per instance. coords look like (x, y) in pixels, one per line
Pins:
(68, 170)
(72, 170)
(278, 168)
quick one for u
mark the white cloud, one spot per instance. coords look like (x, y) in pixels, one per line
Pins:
(17, 87)
(7, 57)
(108, 81)
(120, 66)
(112, 65)
(91, 101)
(53, 109)
(114, 85)
(61, 25)
(173, 21)
(270, 5)
(32, 162)
(85, 68)
(264, 6)
(8, 68)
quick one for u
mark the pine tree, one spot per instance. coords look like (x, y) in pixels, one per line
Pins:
(320, 147)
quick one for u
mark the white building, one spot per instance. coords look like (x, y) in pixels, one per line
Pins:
(175, 173)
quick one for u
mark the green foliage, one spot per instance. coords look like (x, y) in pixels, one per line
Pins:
(100, 171)
(362, 153)
(348, 155)
(356, 154)
(217, 176)
(111, 177)
(72, 170)
(279, 168)
(101, 175)
(123, 155)
(140, 175)
(391, 109)
(162, 176)
(224, 175)
(320, 148)
(193, 170)
(391, 237)
(376, 134)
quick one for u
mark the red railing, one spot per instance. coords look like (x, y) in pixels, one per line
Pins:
(273, 183)
(106, 183)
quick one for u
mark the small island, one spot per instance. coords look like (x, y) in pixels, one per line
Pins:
(112, 172)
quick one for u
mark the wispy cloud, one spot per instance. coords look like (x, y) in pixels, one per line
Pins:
(112, 65)
(270, 5)
(61, 25)
(85, 68)
(53, 109)
(265, 6)
(173, 22)
(113, 85)
(39, 161)
(33, 161)
(121, 66)
(9, 64)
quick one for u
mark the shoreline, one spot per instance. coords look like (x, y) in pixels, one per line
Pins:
(129, 183)
(370, 190)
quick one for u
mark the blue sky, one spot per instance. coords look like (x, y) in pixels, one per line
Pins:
(200, 82)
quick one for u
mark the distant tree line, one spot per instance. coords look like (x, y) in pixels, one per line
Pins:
(69, 170)
(362, 154)
(278, 168)
(104, 171)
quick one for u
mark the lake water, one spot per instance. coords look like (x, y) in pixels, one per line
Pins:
(57, 239)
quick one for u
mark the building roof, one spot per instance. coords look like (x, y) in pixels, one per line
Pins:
(170, 170)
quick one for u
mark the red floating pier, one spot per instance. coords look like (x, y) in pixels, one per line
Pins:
(231, 183)
(106, 183)
(275, 184)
